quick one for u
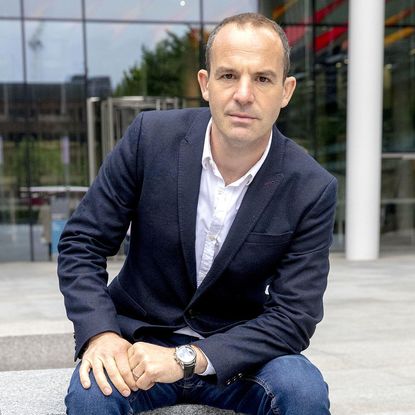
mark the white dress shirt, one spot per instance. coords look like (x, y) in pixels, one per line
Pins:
(217, 207)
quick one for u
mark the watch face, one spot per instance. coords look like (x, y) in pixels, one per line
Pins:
(186, 354)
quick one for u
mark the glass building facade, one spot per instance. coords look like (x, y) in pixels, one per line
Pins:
(56, 55)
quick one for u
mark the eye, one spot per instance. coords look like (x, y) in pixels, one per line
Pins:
(263, 79)
(228, 76)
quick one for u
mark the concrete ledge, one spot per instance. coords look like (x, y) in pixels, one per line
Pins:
(36, 351)
(41, 392)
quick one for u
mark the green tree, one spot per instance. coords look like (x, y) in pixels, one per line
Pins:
(164, 71)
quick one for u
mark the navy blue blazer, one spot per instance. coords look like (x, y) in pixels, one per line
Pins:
(280, 239)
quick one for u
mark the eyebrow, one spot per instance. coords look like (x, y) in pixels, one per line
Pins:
(223, 69)
(267, 73)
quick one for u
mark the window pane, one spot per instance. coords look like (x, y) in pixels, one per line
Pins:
(173, 10)
(332, 12)
(53, 8)
(296, 120)
(14, 174)
(144, 59)
(10, 8)
(287, 11)
(330, 48)
(398, 164)
(57, 155)
(216, 10)
(331, 95)
(399, 90)
(400, 12)
(398, 202)
(11, 69)
(300, 12)
(54, 51)
(14, 209)
(58, 158)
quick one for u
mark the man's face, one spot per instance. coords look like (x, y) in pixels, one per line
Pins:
(245, 86)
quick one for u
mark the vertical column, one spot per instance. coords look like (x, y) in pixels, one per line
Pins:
(364, 128)
(91, 134)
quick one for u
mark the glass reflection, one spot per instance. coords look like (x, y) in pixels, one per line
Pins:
(296, 120)
(14, 234)
(300, 11)
(53, 8)
(57, 157)
(11, 68)
(216, 10)
(398, 201)
(400, 12)
(14, 209)
(10, 8)
(398, 164)
(287, 11)
(399, 90)
(163, 62)
(330, 56)
(331, 11)
(53, 50)
(170, 10)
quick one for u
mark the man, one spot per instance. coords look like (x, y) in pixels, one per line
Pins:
(231, 224)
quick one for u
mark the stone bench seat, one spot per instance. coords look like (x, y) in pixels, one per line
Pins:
(41, 392)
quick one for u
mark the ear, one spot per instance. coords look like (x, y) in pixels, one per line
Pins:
(289, 87)
(203, 78)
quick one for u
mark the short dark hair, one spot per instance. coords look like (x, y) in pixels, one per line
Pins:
(256, 20)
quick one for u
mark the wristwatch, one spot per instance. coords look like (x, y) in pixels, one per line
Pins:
(185, 356)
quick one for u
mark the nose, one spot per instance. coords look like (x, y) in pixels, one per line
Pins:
(244, 93)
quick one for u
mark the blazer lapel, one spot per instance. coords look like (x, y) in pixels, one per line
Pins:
(255, 201)
(189, 172)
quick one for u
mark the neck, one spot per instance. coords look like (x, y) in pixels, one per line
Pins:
(234, 162)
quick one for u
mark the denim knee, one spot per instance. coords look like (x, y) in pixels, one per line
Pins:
(92, 401)
(295, 386)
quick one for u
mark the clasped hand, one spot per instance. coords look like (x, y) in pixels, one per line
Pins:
(129, 366)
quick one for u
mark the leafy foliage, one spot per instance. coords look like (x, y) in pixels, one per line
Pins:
(164, 71)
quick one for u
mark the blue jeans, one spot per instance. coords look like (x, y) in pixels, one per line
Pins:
(287, 385)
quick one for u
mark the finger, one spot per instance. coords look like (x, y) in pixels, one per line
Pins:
(133, 357)
(138, 372)
(100, 377)
(144, 382)
(116, 378)
(125, 371)
(84, 370)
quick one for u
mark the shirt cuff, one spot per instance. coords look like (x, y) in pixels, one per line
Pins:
(210, 370)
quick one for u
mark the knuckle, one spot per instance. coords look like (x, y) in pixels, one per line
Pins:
(144, 386)
(146, 360)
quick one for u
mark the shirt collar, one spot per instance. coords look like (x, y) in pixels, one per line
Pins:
(207, 159)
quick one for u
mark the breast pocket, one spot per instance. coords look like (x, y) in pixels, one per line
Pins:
(260, 254)
(268, 239)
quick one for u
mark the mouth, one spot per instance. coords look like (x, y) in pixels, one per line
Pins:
(241, 117)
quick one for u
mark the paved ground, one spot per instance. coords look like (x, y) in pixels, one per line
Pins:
(364, 347)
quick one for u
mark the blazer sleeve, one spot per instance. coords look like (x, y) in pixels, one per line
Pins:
(294, 305)
(94, 232)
